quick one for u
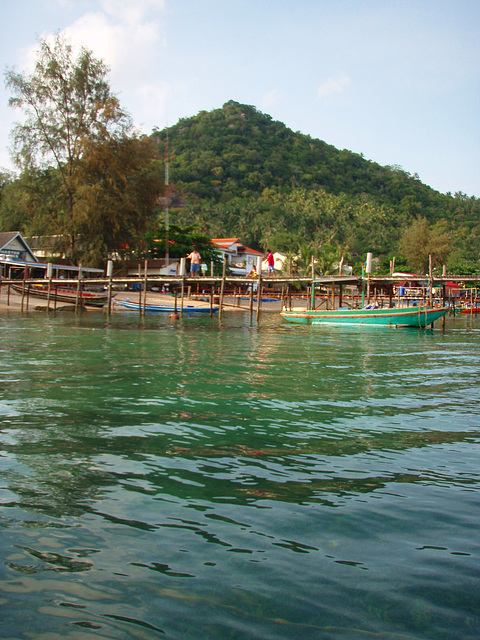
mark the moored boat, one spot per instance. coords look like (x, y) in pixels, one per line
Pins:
(60, 294)
(163, 308)
(470, 308)
(420, 316)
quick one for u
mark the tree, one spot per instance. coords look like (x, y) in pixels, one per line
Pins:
(419, 241)
(67, 103)
(119, 182)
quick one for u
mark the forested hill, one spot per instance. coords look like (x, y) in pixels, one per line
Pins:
(237, 151)
(236, 172)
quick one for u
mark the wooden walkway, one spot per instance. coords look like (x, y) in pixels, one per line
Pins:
(315, 291)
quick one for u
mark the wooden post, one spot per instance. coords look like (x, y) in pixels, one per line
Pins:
(49, 285)
(77, 299)
(430, 277)
(23, 293)
(251, 302)
(182, 296)
(312, 302)
(340, 295)
(222, 288)
(211, 300)
(444, 302)
(109, 276)
(259, 287)
(259, 297)
(139, 288)
(144, 287)
(368, 268)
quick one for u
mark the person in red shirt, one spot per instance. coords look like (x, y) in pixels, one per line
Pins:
(271, 263)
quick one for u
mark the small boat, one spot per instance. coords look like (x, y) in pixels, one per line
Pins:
(163, 308)
(403, 316)
(61, 294)
(469, 308)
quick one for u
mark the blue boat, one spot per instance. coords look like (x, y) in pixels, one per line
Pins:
(162, 308)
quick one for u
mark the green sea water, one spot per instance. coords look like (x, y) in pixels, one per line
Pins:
(217, 479)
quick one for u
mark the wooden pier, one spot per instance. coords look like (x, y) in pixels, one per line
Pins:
(227, 291)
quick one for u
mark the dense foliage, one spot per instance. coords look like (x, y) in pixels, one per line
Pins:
(239, 173)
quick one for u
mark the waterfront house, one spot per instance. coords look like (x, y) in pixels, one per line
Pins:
(240, 259)
(18, 261)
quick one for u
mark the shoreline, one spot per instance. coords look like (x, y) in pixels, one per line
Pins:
(39, 305)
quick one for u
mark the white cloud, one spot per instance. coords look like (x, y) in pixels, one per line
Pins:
(124, 34)
(126, 42)
(336, 84)
(129, 37)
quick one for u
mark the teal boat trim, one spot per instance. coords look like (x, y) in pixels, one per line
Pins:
(408, 316)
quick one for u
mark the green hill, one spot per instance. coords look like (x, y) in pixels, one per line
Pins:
(235, 171)
(238, 151)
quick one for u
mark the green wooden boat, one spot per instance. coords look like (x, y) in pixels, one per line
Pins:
(403, 316)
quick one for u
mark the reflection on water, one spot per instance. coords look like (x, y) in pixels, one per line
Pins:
(220, 480)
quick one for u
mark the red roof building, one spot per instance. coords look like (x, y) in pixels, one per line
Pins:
(240, 259)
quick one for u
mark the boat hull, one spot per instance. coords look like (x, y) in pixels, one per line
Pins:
(86, 298)
(159, 308)
(403, 317)
(475, 309)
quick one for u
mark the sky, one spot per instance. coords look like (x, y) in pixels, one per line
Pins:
(395, 80)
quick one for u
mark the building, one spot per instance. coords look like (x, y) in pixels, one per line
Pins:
(14, 248)
(18, 261)
(240, 259)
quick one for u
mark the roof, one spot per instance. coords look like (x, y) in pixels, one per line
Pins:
(224, 243)
(253, 251)
(234, 243)
(410, 276)
(7, 237)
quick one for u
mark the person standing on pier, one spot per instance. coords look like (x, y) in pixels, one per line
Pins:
(194, 258)
(271, 263)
